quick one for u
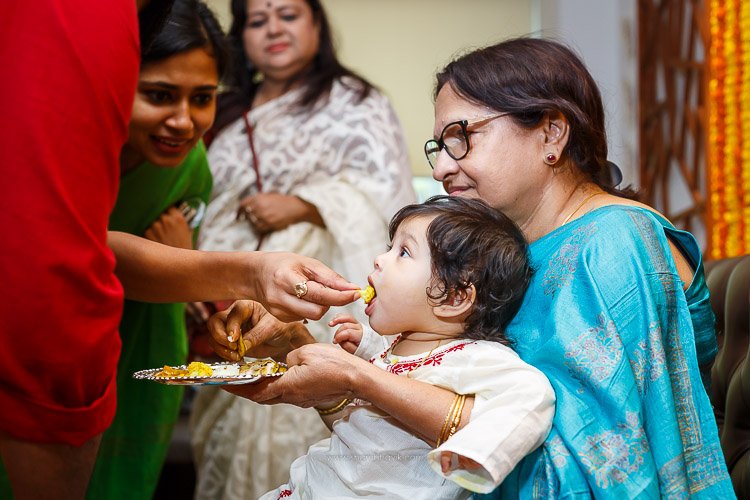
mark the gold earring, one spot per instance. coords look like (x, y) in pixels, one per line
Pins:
(550, 158)
(257, 77)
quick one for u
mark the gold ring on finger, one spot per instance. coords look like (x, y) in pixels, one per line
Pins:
(300, 289)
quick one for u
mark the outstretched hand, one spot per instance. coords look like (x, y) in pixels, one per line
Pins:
(152, 272)
(279, 272)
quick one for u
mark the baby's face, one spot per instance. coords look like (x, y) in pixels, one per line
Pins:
(401, 279)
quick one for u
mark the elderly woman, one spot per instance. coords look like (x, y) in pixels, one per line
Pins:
(617, 313)
(308, 157)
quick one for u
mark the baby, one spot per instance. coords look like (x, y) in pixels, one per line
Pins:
(451, 281)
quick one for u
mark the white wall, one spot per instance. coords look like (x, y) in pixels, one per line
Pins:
(400, 44)
(604, 34)
(221, 9)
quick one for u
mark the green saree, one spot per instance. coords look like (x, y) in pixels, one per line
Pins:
(133, 449)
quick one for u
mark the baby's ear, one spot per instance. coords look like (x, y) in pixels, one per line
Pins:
(458, 303)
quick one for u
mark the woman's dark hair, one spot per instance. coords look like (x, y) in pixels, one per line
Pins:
(151, 19)
(472, 243)
(531, 78)
(318, 78)
(190, 24)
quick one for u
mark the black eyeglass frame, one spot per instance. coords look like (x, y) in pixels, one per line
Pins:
(436, 145)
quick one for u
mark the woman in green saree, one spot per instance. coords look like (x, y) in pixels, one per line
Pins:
(163, 165)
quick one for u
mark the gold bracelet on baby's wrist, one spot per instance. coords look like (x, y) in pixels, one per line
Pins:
(334, 409)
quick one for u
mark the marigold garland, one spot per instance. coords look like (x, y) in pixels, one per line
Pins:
(729, 128)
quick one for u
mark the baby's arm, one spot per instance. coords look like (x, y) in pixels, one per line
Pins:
(506, 390)
(349, 333)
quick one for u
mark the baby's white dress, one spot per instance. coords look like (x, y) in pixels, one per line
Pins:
(371, 454)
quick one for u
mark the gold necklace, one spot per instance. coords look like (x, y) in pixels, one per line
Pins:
(390, 351)
(580, 205)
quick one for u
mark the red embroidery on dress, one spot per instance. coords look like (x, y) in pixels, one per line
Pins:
(434, 360)
(284, 493)
(387, 351)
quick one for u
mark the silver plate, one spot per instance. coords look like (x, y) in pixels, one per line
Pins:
(224, 373)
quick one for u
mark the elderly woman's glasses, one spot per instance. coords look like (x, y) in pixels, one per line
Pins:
(454, 139)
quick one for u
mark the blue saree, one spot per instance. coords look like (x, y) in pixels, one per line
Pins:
(607, 320)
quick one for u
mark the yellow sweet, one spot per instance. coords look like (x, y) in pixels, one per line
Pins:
(194, 369)
(168, 371)
(241, 347)
(367, 294)
(198, 369)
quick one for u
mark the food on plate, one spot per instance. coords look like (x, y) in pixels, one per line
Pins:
(194, 369)
(263, 367)
(197, 373)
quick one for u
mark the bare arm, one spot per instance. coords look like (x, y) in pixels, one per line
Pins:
(153, 272)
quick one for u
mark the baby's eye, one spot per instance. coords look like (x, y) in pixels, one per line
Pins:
(404, 252)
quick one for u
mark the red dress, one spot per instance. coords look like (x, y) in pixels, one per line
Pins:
(70, 69)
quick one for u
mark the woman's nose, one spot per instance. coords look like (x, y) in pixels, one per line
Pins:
(181, 118)
(274, 25)
(444, 166)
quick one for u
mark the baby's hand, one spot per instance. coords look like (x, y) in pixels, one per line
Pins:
(451, 461)
(349, 333)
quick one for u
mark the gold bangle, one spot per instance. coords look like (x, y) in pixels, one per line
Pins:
(457, 417)
(334, 409)
(456, 411)
(454, 418)
(447, 422)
